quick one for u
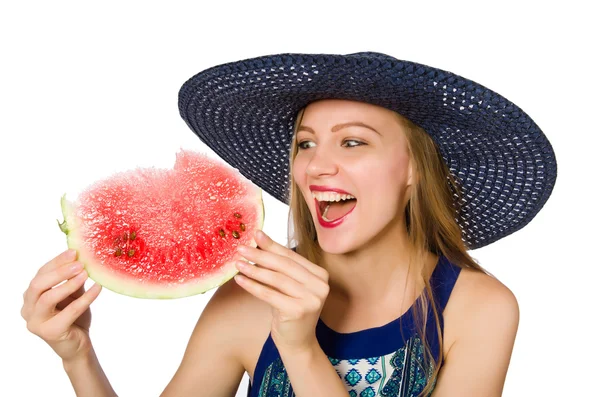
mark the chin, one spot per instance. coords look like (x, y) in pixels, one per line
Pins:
(340, 244)
(351, 241)
(333, 248)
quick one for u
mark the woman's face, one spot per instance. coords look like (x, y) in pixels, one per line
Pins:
(369, 161)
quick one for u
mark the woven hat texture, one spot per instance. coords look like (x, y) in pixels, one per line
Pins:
(504, 164)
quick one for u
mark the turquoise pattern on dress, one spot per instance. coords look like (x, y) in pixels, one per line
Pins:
(371, 362)
(276, 382)
(398, 374)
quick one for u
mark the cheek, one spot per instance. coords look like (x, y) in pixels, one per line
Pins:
(386, 178)
(299, 171)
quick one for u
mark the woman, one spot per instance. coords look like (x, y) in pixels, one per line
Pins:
(379, 295)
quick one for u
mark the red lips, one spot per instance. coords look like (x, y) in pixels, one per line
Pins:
(323, 222)
(318, 188)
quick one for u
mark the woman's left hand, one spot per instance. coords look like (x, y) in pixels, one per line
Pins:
(295, 288)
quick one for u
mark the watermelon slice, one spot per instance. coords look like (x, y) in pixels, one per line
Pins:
(164, 233)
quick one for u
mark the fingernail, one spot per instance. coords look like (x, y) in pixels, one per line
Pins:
(239, 278)
(76, 266)
(242, 249)
(241, 264)
(260, 234)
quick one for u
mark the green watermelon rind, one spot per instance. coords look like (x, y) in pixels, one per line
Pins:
(117, 283)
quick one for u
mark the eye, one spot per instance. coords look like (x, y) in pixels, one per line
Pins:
(302, 145)
(355, 144)
(352, 143)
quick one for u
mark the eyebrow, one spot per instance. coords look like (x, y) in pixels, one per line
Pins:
(340, 126)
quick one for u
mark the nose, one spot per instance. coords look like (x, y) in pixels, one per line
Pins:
(322, 163)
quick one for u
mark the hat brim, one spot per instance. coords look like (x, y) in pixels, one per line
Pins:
(506, 167)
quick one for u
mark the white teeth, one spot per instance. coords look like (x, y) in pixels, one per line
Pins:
(331, 196)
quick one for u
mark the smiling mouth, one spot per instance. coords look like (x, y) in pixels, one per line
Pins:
(333, 211)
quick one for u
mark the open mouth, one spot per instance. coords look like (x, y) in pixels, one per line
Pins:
(331, 211)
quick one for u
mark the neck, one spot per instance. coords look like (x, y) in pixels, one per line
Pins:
(378, 273)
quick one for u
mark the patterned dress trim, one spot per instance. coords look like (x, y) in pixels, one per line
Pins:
(397, 374)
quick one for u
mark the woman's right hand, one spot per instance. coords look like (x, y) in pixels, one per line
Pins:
(61, 315)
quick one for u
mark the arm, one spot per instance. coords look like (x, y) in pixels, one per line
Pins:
(60, 315)
(56, 307)
(477, 362)
(87, 377)
(295, 289)
(311, 373)
(211, 365)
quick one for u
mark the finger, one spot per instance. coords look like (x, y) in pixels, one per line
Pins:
(67, 301)
(50, 299)
(45, 281)
(276, 280)
(75, 309)
(286, 266)
(266, 243)
(287, 305)
(78, 292)
(64, 257)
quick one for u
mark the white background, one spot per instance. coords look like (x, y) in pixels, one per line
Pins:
(87, 90)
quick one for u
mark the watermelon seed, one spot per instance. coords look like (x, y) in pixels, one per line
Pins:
(235, 234)
(125, 236)
(132, 236)
(221, 233)
(242, 227)
(130, 253)
(237, 215)
(118, 252)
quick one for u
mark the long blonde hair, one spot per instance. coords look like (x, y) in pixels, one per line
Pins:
(431, 225)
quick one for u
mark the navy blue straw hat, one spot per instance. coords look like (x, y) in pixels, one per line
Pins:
(504, 164)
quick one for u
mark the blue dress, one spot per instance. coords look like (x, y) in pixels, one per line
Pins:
(379, 361)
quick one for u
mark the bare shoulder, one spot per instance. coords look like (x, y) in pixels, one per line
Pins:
(227, 340)
(478, 290)
(479, 299)
(481, 321)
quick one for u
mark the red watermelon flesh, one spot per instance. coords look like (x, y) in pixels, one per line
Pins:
(159, 233)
